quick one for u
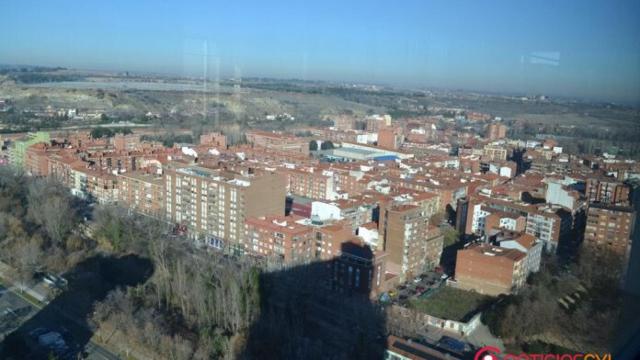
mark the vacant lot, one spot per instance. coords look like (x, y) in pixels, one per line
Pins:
(451, 304)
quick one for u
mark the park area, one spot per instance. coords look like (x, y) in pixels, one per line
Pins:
(451, 304)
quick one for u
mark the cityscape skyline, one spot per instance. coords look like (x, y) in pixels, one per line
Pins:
(582, 50)
(423, 180)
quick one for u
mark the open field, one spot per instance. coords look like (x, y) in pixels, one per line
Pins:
(451, 304)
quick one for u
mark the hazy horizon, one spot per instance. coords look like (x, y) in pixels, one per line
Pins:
(577, 49)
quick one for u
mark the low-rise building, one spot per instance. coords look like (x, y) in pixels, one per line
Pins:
(525, 243)
(490, 269)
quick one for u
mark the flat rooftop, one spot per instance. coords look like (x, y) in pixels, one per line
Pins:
(215, 175)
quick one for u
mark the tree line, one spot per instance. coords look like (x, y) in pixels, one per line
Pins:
(197, 304)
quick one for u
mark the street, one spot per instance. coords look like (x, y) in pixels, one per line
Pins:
(18, 314)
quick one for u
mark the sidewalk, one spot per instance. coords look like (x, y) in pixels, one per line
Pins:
(97, 350)
(7, 274)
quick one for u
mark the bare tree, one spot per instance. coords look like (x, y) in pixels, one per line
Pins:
(29, 257)
(50, 207)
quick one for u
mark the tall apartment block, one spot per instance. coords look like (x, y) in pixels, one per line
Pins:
(496, 131)
(390, 137)
(406, 230)
(142, 192)
(214, 204)
(608, 235)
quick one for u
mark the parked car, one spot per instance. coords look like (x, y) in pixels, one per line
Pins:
(54, 281)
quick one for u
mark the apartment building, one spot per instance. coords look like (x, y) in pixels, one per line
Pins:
(472, 214)
(405, 229)
(357, 211)
(122, 142)
(433, 247)
(19, 147)
(142, 193)
(344, 122)
(278, 141)
(89, 183)
(36, 160)
(390, 137)
(375, 122)
(330, 237)
(214, 139)
(608, 234)
(494, 153)
(525, 243)
(551, 224)
(317, 184)
(500, 220)
(496, 131)
(214, 203)
(607, 190)
(557, 193)
(358, 269)
(490, 269)
(280, 238)
(119, 161)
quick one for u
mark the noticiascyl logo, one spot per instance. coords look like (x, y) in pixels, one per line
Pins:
(492, 353)
(487, 353)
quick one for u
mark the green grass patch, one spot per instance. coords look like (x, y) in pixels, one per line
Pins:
(451, 304)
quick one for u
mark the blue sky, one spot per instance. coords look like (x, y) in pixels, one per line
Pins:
(581, 48)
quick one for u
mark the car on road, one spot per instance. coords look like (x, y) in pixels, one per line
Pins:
(54, 281)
